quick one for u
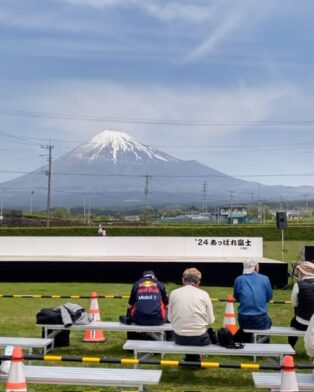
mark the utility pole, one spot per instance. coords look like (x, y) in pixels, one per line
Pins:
(146, 193)
(88, 213)
(48, 147)
(231, 202)
(306, 201)
(84, 211)
(31, 203)
(205, 196)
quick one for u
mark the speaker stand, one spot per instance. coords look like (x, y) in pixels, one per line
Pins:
(282, 245)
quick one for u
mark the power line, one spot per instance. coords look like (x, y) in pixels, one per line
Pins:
(163, 175)
(152, 121)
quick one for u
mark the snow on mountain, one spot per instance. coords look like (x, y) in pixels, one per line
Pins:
(110, 144)
(112, 169)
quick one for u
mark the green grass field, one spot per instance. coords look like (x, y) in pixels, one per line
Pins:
(18, 319)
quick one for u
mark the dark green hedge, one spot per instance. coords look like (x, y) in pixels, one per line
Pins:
(268, 232)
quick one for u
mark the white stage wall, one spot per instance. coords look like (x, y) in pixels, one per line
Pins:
(132, 246)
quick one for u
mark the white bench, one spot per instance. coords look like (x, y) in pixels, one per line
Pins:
(249, 349)
(27, 343)
(275, 331)
(90, 376)
(272, 381)
(158, 332)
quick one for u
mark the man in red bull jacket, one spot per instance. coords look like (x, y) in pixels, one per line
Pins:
(148, 301)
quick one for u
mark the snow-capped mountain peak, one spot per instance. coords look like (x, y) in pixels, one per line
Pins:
(111, 143)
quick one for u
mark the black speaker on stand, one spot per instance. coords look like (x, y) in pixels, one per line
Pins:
(282, 224)
(281, 220)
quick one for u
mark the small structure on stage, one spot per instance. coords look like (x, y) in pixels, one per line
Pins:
(123, 259)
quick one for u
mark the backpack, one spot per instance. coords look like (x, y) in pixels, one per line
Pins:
(226, 339)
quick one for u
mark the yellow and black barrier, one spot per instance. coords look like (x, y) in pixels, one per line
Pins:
(106, 296)
(58, 296)
(161, 362)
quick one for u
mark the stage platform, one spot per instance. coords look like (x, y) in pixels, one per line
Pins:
(123, 259)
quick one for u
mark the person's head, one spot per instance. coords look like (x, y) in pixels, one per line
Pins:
(149, 274)
(305, 268)
(249, 266)
(191, 276)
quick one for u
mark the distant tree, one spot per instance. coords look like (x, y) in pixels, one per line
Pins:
(60, 213)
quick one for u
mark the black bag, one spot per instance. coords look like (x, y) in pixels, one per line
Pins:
(125, 319)
(212, 336)
(62, 339)
(49, 316)
(53, 316)
(243, 337)
(226, 339)
(138, 336)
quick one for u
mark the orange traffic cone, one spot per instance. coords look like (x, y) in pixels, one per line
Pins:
(229, 317)
(16, 378)
(288, 377)
(94, 335)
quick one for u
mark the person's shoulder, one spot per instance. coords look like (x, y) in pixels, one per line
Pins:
(264, 277)
(201, 291)
(178, 290)
(239, 278)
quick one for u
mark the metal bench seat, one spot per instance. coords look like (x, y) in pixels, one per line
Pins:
(26, 343)
(90, 376)
(275, 331)
(272, 381)
(249, 349)
(157, 331)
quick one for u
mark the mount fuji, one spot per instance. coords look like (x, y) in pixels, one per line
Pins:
(114, 170)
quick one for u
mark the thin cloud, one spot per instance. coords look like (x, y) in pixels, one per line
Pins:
(230, 19)
(153, 103)
(169, 11)
(215, 38)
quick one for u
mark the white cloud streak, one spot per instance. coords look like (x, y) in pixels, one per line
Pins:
(229, 20)
(168, 11)
(152, 103)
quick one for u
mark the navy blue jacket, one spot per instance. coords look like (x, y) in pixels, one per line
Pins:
(148, 302)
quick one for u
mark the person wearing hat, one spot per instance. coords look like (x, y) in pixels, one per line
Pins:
(253, 290)
(148, 301)
(302, 299)
(190, 312)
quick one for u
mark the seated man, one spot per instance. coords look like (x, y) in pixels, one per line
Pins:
(309, 338)
(148, 301)
(253, 291)
(190, 311)
(302, 298)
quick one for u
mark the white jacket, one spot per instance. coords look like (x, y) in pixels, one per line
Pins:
(309, 338)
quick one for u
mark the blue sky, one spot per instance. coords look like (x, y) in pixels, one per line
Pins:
(226, 82)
